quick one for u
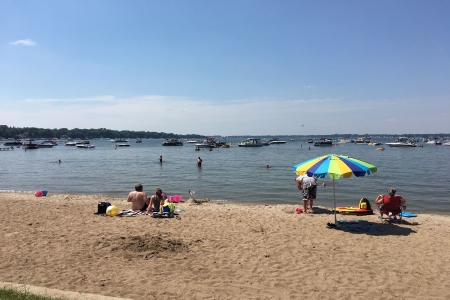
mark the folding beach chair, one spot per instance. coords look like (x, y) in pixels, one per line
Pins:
(391, 207)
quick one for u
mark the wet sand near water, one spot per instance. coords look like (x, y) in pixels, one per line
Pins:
(218, 251)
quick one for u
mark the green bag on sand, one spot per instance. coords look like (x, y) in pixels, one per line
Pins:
(168, 207)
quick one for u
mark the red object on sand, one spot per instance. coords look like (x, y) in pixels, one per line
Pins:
(38, 194)
(298, 210)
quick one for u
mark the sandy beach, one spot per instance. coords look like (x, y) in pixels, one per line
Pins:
(217, 251)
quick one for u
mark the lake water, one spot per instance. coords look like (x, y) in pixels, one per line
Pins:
(420, 175)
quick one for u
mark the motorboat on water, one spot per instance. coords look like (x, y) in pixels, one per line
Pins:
(192, 141)
(373, 143)
(265, 142)
(30, 145)
(172, 142)
(83, 142)
(324, 142)
(120, 140)
(361, 141)
(251, 142)
(138, 141)
(447, 143)
(70, 144)
(310, 141)
(344, 141)
(85, 146)
(208, 142)
(13, 143)
(402, 142)
(276, 142)
(123, 145)
(46, 144)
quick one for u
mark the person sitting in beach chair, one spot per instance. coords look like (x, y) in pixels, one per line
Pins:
(390, 205)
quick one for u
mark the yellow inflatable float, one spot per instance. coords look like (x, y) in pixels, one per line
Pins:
(363, 208)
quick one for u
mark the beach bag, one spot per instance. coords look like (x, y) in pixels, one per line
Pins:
(364, 204)
(101, 207)
(168, 207)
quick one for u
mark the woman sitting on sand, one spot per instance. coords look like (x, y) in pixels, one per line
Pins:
(156, 201)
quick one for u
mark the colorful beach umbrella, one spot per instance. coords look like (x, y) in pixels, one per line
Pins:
(335, 166)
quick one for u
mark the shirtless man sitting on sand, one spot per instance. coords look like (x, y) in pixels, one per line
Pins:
(138, 198)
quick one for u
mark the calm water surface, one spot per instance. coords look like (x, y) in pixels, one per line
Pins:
(420, 175)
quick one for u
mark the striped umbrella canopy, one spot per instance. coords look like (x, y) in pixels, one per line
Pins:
(335, 166)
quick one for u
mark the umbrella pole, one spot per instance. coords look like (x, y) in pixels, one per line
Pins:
(334, 202)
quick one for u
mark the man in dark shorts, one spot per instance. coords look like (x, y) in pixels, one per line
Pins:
(309, 190)
(138, 198)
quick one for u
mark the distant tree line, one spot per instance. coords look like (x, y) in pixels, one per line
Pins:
(77, 133)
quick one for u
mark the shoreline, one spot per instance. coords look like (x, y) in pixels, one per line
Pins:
(225, 251)
(227, 201)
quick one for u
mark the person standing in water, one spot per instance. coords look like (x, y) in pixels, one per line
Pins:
(199, 162)
(160, 159)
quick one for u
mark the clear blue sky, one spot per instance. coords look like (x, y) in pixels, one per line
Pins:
(227, 67)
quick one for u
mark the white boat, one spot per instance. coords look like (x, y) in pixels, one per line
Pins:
(373, 143)
(343, 141)
(251, 143)
(209, 142)
(431, 142)
(123, 145)
(361, 141)
(276, 142)
(191, 141)
(265, 142)
(46, 144)
(119, 141)
(85, 146)
(402, 142)
(446, 143)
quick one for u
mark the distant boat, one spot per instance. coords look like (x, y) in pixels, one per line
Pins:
(402, 142)
(83, 142)
(13, 143)
(276, 142)
(324, 142)
(361, 141)
(373, 143)
(265, 142)
(138, 141)
(85, 146)
(310, 141)
(119, 140)
(172, 142)
(343, 141)
(70, 144)
(209, 142)
(123, 145)
(191, 141)
(30, 145)
(251, 143)
(46, 144)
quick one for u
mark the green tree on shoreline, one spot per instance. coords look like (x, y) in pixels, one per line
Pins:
(77, 133)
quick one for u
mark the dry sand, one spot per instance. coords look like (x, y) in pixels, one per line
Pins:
(217, 251)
